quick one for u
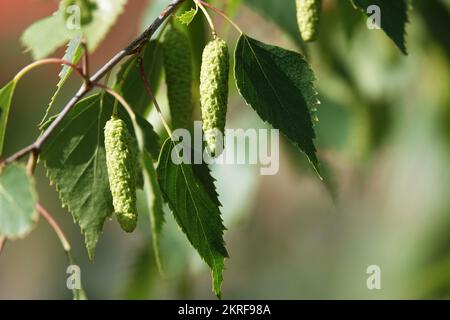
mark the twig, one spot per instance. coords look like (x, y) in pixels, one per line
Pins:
(85, 88)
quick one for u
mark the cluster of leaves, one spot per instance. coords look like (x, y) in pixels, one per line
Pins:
(277, 83)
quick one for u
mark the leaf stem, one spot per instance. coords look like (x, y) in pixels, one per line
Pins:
(149, 91)
(86, 71)
(48, 217)
(2, 243)
(32, 161)
(42, 62)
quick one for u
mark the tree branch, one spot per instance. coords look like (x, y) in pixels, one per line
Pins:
(87, 87)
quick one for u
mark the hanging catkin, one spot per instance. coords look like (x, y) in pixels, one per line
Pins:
(214, 91)
(178, 69)
(308, 18)
(121, 164)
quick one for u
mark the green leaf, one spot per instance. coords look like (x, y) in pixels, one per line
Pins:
(6, 94)
(129, 82)
(194, 210)
(278, 84)
(187, 16)
(46, 35)
(18, 201)
(394, 17)
(73, 54)
(75, 159)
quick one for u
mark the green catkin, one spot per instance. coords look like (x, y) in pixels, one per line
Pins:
(121, 164)
(214, 91)
(308, 18)
(178, 69)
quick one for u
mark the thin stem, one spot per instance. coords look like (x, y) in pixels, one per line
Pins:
(130, 49)
(48, 217)
(149, 91)
(128, 108)
(208, 17)
(32, 161)
(86, 71)
(221, 13)
(2, 243)
(42, 62)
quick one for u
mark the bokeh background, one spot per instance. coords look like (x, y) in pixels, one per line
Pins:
(384, 143)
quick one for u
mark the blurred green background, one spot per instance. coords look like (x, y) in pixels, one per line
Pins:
(384, 144)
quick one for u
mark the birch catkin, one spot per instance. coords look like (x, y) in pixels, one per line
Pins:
(121, 164)
(178, 69)
(308, 18)
(214, 91)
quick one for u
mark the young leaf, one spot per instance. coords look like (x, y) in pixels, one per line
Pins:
(194, 210)
(18, 200)
(129, 82)
(46, 35)
(76, 163)
(278, 84)
(6, 94)
(73, 54)
(187, 16)
(394, 17)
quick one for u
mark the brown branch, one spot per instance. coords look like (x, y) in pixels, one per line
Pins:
(87, 87)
